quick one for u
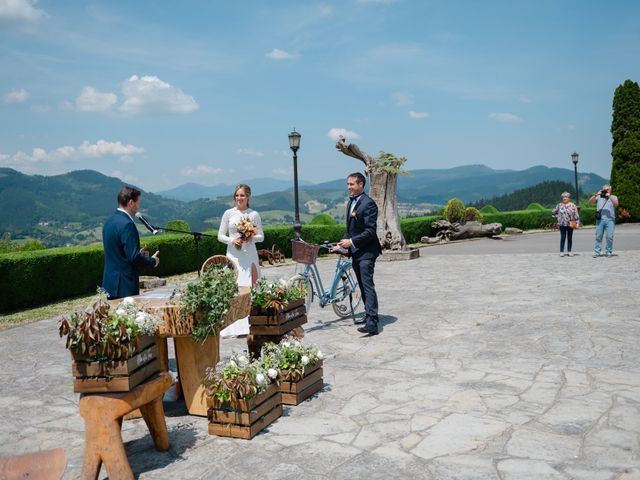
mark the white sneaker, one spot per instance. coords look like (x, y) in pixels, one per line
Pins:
(571, 254)
(561, 254)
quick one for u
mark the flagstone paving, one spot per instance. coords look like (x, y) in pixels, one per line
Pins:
(488, 366)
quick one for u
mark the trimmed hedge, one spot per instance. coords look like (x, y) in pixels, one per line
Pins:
(29, 279)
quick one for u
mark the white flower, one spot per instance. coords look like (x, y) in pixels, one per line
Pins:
(283, 282)
(319, 355)
(121, 312)
(304, 360)
(260, 378)
(128, 300)
(232, 364)
(285, 344)
(242, 360)
(272, 372)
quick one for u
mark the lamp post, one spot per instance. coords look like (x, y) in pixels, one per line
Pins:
(294, 144)
(574, 159)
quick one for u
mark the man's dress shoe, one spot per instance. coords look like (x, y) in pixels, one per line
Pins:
(369, 328)
(359, 321)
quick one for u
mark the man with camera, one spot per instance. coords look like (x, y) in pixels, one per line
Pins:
(605, 218)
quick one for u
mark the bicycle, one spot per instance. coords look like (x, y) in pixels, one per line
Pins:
(343, 294)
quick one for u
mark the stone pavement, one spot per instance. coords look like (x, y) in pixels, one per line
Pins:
(489, 366)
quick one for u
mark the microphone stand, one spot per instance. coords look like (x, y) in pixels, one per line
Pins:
(196, 238)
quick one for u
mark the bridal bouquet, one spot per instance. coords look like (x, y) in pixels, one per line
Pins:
(246, 228)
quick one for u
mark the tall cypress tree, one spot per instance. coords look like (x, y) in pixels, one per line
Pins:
(625, 130)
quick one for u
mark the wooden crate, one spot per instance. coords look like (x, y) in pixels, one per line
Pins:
(245, 418)
(291, 315)
(294, 393)
(120, 376)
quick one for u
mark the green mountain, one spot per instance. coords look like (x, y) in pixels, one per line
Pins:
(545, 193)
(70, 209)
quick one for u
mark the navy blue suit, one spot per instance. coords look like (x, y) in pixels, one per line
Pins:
(122, 257)
(361, 229)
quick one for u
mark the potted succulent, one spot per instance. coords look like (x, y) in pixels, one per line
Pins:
(112, 349)
(243, 397)
(299, 367)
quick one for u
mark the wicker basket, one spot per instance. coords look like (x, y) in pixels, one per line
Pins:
(217, 260)
(303, 252)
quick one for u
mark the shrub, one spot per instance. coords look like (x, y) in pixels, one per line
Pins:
(178, 225)
(489, 209)
(454, 210)
(535, 206)
(471, 214)
(413, 229)
(322, 219)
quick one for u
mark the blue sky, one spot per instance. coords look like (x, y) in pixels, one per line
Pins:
(163, 93)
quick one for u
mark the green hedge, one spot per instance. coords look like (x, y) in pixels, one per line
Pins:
(33, 278)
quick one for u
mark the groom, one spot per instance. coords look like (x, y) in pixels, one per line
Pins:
(362, 242)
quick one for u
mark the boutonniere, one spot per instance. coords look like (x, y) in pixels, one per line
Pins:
(354, 214)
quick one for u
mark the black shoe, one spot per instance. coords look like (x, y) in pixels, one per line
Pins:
(359, 321)
(369, 328)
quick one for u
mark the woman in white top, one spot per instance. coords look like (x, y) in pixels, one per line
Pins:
(241, 251)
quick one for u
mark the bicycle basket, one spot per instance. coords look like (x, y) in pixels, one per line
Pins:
(303, 252)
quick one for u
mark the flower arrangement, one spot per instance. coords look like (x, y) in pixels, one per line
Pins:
(246, 228)
(273, 296)
(290, 357)
(239, 378)
(100, 333)
(208, 300)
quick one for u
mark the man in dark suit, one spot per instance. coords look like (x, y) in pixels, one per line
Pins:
(122, 253)
(362, 242)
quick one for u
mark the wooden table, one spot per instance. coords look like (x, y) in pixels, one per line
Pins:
(192, 357)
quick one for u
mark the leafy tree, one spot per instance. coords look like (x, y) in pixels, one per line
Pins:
(625, 131)
(535, 206)
(545, 193)
(471, 214)
(489, 209)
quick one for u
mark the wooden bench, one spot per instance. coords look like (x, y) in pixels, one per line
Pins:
(103, 413)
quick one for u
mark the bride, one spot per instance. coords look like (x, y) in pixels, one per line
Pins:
(239, 250)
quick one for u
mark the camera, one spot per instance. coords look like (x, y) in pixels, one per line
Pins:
(603, 194)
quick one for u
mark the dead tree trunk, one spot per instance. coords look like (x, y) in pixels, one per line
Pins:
(383, 189)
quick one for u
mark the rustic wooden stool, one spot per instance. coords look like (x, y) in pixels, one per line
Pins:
(103, 413)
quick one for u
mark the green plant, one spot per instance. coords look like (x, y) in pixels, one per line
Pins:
(178, 225)
(535, 206)
(454, 210)
(322, 219)
(272, 296)
(102, 334)
(471, 214)
(207, 300)
(290, 357)
(488, 209)
(239, 378)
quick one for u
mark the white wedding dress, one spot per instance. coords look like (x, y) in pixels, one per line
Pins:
(244, 258)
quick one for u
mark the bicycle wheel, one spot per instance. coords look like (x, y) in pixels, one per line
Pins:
(302, 280)
(347, 285)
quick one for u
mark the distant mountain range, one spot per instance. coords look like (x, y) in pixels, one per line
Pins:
(69, 209)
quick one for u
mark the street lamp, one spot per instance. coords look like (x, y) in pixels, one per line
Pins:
(574, 159)
(294, 143)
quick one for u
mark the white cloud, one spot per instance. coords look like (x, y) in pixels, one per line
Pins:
(150, 94)
(277, 54)
(505, 117)
(16, 96)
(334, 133)
(418, 115)
(403, 99)
(281, 171)
(250, 152)
(19, 12)
(91, 100)
(85, 151)
(199, 170)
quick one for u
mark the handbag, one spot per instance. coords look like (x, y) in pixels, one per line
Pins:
(573, 224)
